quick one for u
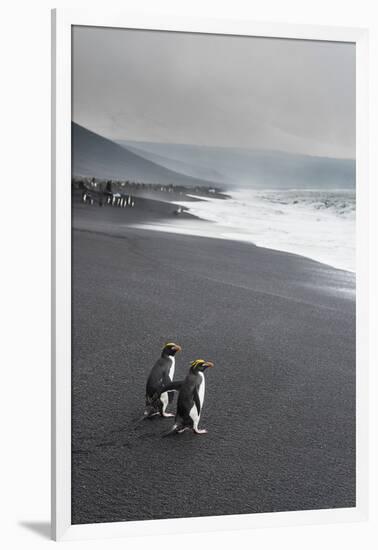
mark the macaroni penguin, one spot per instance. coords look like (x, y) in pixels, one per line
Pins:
(161, 375)
(190, 399)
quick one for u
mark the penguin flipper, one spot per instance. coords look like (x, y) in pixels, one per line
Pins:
(172, 386)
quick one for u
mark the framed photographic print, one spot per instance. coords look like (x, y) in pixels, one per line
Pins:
(209, 242)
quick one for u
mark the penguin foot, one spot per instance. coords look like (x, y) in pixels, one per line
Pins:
(182, 430)
(148, 415)
(172, 431)
(167, 415)
(199, 432)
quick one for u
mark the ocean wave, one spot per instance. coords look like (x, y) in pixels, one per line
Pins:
(317, 224)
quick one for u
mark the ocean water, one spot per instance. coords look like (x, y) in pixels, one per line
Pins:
(317, 224)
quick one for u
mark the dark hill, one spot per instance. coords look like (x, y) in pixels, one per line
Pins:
(96, 156)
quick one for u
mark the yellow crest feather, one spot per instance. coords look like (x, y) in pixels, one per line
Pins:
(197, 362)
(169, 344)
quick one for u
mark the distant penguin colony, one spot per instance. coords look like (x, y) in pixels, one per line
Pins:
(160, 390)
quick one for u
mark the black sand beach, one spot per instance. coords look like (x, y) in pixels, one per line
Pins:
(280, 402)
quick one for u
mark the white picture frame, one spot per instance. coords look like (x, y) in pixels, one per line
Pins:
(62, 21)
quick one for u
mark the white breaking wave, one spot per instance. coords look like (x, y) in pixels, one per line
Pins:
(316, 224)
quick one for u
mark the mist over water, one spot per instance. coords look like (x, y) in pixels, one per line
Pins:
(318, 224)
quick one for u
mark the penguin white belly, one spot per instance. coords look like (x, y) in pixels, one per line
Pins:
(194, 414)
(201, 390)
(164, 396)
(164, 400)
(172, 369)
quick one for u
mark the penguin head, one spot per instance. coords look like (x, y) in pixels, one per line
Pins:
(200, 365)
(170, 349)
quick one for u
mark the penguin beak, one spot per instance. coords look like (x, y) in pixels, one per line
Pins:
(209, 364)
(177, 348)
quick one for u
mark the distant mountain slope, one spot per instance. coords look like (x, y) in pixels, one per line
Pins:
(171, 163)
(236, 167)
(96, 156)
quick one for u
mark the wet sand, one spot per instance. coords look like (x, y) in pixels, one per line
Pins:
(279, 404)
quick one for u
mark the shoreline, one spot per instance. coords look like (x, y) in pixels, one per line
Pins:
(155, 214)
(318, 227)
(190, 231)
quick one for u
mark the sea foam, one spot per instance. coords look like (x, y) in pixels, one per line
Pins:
(317, 224)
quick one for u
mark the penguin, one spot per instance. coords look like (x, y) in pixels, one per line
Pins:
(161, 375)
(190, 399)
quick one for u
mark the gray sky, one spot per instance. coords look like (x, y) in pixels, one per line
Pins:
(260, 93)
